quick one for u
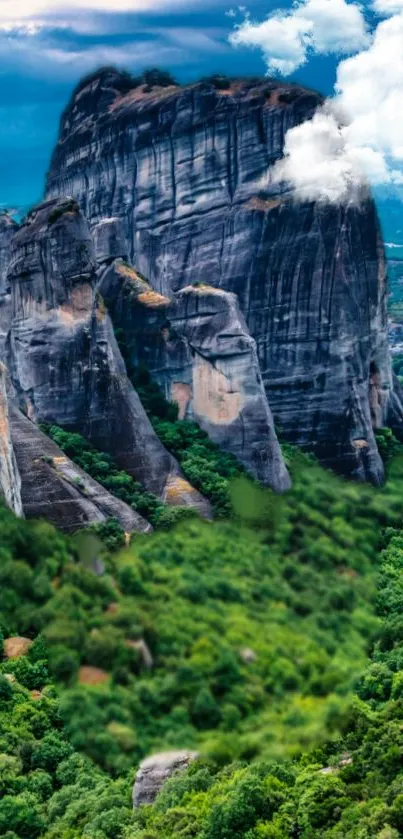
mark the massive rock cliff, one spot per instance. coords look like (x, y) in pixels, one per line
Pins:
(187, 173)
(243, 303)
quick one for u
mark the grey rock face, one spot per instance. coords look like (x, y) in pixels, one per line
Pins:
(63, 358)
(109, 240)
(188, 172)
(155, 771)
(227, 396)
(198, 348)
(8, 228)
(10, 481)
(56, 489)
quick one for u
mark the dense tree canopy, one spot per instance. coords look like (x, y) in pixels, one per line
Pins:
(275, 637)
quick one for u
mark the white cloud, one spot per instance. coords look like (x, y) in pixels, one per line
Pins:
(387, 7)
(42, 59)
(357, 136)
(317, 161)
(323, 163)
(287, 38)
(370, 90)
(283, 40)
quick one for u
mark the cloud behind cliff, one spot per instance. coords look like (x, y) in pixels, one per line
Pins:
(358, 134)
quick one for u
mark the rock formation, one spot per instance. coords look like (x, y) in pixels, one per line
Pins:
(243, 303)
(179, 180)
(199, 350)
(54, 488)
(155, 771)
(38, 481)
(63, 358)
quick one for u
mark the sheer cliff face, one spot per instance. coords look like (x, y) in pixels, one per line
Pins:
(63, 358)
(187, 171)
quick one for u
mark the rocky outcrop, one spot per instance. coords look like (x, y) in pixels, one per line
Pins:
(63, 358)
(54, 488)
(10, 481)
(187, 171)
(109, 241)
(198, 349)
(226, 392)
(155, 771)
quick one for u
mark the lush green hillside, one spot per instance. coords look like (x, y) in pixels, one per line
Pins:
(260, 629)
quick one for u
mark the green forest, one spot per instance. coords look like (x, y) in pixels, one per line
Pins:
(269, 640)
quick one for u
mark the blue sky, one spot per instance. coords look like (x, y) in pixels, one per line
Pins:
(47, 45)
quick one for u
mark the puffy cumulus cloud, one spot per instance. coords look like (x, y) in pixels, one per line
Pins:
(357, 136)
(323, 163)
(287, 38)
(318, 161)
(283, 40)
(369, 88)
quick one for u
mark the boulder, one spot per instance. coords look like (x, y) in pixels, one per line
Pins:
(155, 771)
